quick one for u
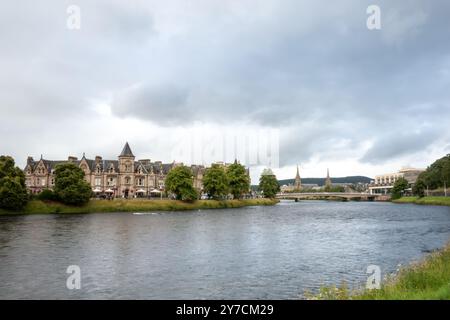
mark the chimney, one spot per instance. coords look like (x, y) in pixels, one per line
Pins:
(145, 162)
(30, 160)
(72, 159)
(98, 159)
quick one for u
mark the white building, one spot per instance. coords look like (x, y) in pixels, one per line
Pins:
(384, 183)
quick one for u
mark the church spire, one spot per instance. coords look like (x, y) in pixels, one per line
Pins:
(298, 181)
(328, 179)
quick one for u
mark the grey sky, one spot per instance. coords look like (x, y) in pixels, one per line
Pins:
(344, 97)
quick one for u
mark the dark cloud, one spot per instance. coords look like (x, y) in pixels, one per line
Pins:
(397, 144)
(164, 104)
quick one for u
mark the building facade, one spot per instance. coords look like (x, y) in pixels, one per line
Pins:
(384, 183)
(124, 177)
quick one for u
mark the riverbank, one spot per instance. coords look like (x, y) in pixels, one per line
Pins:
(428, 279)
(135, 205)
(438, 201)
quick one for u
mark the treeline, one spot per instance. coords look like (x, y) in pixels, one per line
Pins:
(218, 182)
(437, 175)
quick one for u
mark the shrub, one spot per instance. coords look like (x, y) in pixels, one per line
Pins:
(47, 195)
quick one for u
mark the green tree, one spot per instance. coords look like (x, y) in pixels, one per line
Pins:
(13, 192)
(180, 182)
(437, 174)
(215, 182)
(70, 186)
(238, 180)
(268, 184)
(419, 188)
(399, 188)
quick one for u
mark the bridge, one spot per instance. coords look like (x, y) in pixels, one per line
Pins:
(345, 196)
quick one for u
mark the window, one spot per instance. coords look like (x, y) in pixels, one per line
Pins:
(128, 166)
(140, 181)
(127, 180)
(98, 181)
(111, 182)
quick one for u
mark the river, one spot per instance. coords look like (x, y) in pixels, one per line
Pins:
(274, 252)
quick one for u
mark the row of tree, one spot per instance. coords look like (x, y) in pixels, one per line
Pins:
(218, 182)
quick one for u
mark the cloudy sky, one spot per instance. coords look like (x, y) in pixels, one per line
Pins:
(165, 75)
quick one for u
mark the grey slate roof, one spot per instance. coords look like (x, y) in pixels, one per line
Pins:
(126, 151)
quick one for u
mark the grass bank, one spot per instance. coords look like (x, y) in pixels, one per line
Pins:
(439, 201)
(428, 279)
(135, 205)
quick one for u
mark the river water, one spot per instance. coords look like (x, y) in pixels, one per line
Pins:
(275, 252)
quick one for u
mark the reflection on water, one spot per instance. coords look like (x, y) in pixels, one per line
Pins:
(248, 253)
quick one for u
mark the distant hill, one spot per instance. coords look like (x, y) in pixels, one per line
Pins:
(321, 181)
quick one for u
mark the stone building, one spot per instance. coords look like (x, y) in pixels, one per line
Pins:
(384, 183)
(124, 177)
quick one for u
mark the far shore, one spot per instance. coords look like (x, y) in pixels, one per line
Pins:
(436, 201)
(136, 205)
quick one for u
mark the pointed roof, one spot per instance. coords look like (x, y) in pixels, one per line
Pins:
(126, 151)
(298, 180)
(328, 179)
